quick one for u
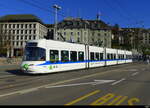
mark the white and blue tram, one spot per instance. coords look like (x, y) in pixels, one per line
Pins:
(48, 56)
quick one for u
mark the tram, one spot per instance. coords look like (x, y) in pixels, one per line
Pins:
(48, 56)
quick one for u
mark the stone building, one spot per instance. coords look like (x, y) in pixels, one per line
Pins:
(77, 30)
(146, 37)
(21, 28)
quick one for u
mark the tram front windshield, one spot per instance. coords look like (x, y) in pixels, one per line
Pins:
(34, 54)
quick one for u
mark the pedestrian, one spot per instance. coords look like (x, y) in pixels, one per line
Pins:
(148, 60)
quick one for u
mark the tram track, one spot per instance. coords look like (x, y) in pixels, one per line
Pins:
(25, 81)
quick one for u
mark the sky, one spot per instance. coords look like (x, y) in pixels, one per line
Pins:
(126, 13)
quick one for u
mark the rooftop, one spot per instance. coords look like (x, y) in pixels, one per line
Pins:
(81, 23)
(20, 18)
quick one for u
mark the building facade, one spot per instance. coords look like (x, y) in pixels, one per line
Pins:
(21, 29)
(77, 30)
(146, 37)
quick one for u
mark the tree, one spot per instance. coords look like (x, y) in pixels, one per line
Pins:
(115, 32)
(5, 42)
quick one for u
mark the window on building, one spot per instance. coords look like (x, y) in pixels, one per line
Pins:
(5, 25)
(26, 25)
(13, 43)
(92, 56)
(34, 25)
(30, 37)
(13, 38)
(26, 31)
(13, 31)
(81, 56)
(101, 56)
(34, 37)
(54, 56)
(78, 39)
(9, 25)
(17, 43)
(30, 25)
(30, 31)
(17, 31)
(26, 37)
(21, 43)
(21, 31)
(78, 33)
(97, 56)
(73, 56)
(17, 37)
(21, 25)
(34, 31)
(21, 37)
(17, 25)
(1, 25)
(71, 33)
(64, 56)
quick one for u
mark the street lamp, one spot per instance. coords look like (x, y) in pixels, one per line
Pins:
(87, 23)
(87, 40)
(56, 7)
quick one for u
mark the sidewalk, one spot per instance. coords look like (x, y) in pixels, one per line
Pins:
(13, 61)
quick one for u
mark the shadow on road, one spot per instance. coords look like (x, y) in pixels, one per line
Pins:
(18, 72)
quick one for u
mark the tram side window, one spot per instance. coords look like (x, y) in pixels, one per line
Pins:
(92, 55)
(42, 54)
(108, 56)
(127, 56)
(122, 56)
(97, 56)
(81, 56)
(64, 56)
(130, 56)
(73, 56)
(54, 56)
(101, 56)
(119, 56)
(112, 56)
(34, 54)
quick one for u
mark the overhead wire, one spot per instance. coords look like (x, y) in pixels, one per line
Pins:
(39, 7)
(119, 12)
(130, 16)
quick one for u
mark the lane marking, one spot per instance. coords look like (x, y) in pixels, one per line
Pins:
(27, 91)
(118, 81)
(83, 97)
(102, 100)
(57, 83)
(135, 73)
(102, 81)
(95, 82)
(122, 100)
(61, 82)
(115, 100)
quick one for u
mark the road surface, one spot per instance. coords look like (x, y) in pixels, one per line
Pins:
(127, 84)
